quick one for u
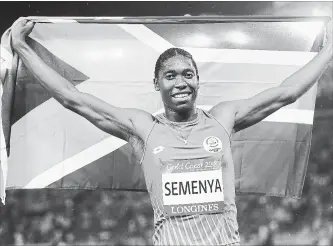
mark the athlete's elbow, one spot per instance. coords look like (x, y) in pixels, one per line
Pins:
(289, 97)
(69, 100)
(66, 104)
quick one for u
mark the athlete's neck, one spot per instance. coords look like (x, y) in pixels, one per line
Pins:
(183, 116)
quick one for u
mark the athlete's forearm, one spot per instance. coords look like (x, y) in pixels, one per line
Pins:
(306, 77)
(57, 85)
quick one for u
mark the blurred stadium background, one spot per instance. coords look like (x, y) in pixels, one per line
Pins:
(68, 217)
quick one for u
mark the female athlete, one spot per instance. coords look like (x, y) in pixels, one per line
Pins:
(185, 152)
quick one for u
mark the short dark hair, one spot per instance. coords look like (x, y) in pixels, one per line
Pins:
(171, 53)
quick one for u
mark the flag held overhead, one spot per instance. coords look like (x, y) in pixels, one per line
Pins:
(52, 147)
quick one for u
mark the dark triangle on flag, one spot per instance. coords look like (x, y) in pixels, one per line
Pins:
(29, 94)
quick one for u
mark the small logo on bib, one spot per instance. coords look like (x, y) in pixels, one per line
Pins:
(212, 144)
(158, 150)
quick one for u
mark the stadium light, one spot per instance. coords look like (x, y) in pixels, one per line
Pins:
(308, 29)
(198, 39)
(237, 37)
(318, 12)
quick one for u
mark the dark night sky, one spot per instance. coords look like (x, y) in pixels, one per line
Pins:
(10, 11)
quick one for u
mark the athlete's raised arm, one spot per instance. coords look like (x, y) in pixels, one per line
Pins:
(120, 122)
(241, 114)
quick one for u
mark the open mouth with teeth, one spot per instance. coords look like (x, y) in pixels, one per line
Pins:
(181, 95)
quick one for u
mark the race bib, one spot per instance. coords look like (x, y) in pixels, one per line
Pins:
(192, 186)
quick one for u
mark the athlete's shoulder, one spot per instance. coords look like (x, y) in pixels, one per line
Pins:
(224, 113)
(223, 108)
(142, 122)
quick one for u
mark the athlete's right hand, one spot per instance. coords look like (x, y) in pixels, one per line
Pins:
(21, 28)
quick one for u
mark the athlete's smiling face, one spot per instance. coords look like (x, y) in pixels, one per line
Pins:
(178, 83)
